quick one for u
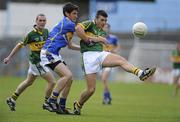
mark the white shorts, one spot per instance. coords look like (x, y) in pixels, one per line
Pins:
(48, 58)
(176, 72)
(92, 61)
(37, 69)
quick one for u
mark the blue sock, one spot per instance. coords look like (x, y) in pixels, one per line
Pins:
(62, 103)
(54, 97)
(107, 95)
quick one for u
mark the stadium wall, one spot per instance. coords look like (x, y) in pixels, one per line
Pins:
(160, 15)
(20, 17)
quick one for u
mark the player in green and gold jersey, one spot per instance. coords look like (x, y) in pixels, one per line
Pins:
(35, 40)
(94, 58)
(175, 58)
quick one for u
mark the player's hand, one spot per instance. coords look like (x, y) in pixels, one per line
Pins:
(90, 42)
(98, 39)
(6, 60)
(102, 40)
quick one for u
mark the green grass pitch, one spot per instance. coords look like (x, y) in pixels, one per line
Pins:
(143, 102)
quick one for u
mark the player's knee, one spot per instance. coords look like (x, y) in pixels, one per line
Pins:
(103, 80)
(69, 76)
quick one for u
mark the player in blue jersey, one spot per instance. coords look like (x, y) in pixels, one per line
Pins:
(113, 47)
(60, 36)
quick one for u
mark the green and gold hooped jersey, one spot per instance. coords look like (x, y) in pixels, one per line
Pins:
(91, 30)
(176, 57)
(35, 40)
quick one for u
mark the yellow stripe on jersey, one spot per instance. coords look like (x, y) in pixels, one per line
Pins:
(40, 32)
(84, 26)
(90, 34)
(175, 59)
(21, 44)
(108, 47)
(36, 46)
(81, 25)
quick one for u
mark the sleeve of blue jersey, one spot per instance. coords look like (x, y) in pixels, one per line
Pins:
(71, 27)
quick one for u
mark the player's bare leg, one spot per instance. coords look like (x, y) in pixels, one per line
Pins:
(11, 101)
(177, 85)
(51, 82)
(63, 85)
(113, 60)
(87, 93)
(106, 93)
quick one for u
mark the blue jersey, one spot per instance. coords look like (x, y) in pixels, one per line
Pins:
(112, 42)
(59, 36)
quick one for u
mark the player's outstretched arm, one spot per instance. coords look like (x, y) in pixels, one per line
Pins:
(73, 46)
(13, 52)
(81, 34)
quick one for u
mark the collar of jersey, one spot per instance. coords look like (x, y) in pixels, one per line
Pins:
(36, 30)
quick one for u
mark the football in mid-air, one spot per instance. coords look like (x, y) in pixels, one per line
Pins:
(139, 30)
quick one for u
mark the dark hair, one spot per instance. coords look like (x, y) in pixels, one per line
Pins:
(102, 13)
(39, 15)
(69, 7)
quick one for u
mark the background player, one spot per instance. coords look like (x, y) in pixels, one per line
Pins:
(113, 47)
(35, 40)
(175, 58)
